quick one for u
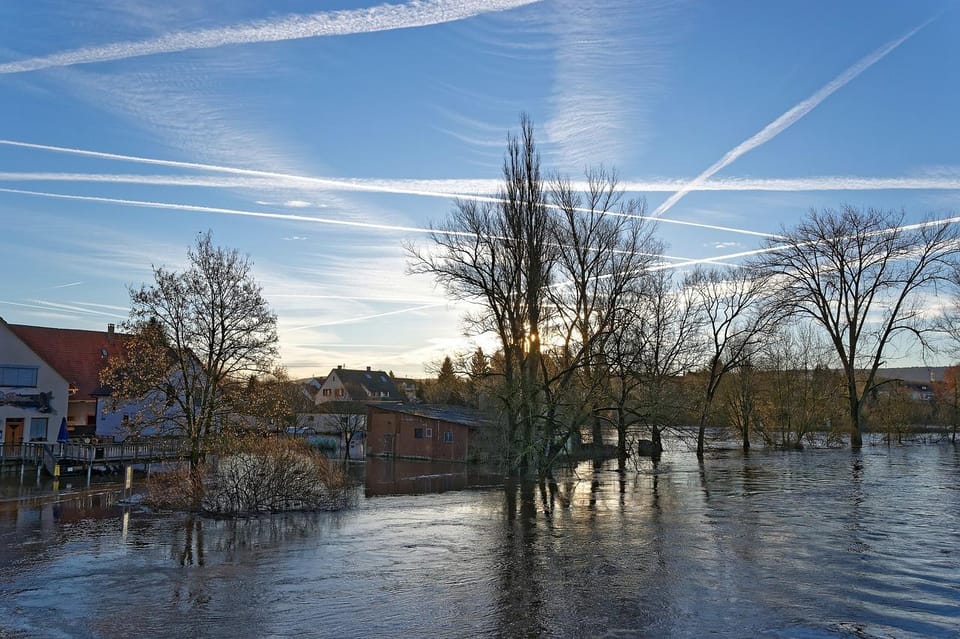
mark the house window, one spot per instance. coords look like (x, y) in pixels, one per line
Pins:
(38, 428)
(326, 392)
(429, 432)
(19, 376)
(418, 433)
(339, 392)
(448, 437)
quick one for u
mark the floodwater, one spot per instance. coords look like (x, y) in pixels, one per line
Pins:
(809, 544)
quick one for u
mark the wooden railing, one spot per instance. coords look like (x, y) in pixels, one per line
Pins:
(51, 453)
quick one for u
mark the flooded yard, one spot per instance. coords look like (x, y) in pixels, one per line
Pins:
(799, 544)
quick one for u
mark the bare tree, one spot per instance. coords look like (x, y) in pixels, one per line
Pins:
(499, 256)
(547, 271)
(655, 343)
(735, 320)
(800, 391)
(606, 252)
(860, 275)
(193, 337)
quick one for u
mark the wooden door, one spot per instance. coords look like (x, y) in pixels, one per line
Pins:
(13, 431)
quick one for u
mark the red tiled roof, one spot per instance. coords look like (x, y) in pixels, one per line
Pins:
(78, 356)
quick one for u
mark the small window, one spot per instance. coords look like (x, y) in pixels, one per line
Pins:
(339, 392)
(429, 432)
(327, 392)
(418, 433)
(448, 437)
(38, 428)
(18, 376)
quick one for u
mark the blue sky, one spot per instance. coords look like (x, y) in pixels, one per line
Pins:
(349, 124)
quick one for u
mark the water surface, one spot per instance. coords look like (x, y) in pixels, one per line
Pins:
(799, 544)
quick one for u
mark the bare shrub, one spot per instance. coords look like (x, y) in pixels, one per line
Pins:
(255, 475)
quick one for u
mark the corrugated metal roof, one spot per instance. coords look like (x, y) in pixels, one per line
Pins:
(455, 414)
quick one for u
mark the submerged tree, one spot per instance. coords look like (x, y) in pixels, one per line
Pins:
(545, 268)
(736, 319)
(498, 256)
(193, 337)
(860, 275)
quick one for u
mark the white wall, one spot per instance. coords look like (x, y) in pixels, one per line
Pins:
(14, 352)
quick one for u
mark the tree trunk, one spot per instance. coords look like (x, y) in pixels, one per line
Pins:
(746, 436)
(621, 440)
(701, 432)
(856, 437)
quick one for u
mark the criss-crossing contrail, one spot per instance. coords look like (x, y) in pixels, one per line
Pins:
(320, 182)
(460, 187)
(194, 208)
(384, 17)
(789, 118)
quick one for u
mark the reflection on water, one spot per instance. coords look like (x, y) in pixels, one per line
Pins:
(813, 544)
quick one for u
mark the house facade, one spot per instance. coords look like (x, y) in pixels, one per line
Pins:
(345, 384)
(423, 431)
(33, 394)
(78, 356)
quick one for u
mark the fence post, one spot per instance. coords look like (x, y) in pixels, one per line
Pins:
(90, 455)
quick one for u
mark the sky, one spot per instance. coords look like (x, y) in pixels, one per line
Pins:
(320, 137)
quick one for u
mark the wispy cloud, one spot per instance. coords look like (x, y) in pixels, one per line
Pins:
(789, 118)
(610, 58)
(385, 17)
(68, 285)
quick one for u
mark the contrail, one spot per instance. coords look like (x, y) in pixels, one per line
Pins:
(240, 212)
(327, 183)
(385, 17)
(367, 317)
(460, 187)
(789, 118)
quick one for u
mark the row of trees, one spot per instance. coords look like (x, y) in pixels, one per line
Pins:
(595, 331)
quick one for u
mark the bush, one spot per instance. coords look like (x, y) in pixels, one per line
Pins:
(256, 475)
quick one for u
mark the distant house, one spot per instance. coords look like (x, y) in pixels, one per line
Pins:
(33, 393)
(344, 384)
(342, 423)
(423, 431)
(409, 387)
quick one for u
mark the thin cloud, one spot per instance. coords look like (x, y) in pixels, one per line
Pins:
(789, 118)
(386, 17)
(68, 285)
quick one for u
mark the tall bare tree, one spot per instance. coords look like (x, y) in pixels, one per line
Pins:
(193, 337)
(546, 268)
(735, 319)
(606, 253)
(499, 256)
(860, 275)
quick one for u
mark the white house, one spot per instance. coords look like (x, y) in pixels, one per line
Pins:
(33, 394)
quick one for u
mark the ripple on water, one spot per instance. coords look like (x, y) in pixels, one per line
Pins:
(808, 545)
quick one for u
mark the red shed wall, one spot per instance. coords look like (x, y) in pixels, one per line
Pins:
(390, 433)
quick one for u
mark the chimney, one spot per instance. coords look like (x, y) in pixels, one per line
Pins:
(110, 331)
(368, 368)
(339, 367)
